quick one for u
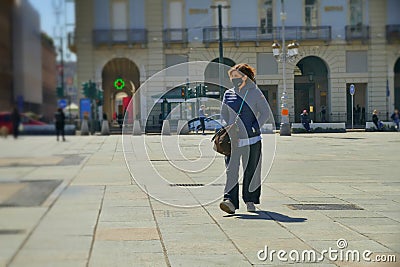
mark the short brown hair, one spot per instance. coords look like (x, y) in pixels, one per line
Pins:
(246, 69)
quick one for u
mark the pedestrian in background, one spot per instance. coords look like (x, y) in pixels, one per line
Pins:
(120, 119)
(396, 118)
(246, 101)
(305, 120)
(363, 115)
(323, 114)
(202, 117)
(376, 121)
(358, 115)
(15, 120)
(59, 117)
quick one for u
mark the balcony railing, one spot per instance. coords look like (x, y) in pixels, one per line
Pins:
(124, 37)
(257, 34)
(357, 32)
(392, 33)
(175, 36)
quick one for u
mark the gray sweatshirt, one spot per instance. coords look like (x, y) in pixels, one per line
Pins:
(255, 110)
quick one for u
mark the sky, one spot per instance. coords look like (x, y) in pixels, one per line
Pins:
(48, 21)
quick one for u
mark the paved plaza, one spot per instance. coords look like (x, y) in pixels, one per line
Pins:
(75, 203)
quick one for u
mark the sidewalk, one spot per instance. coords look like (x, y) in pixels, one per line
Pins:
(74, 204)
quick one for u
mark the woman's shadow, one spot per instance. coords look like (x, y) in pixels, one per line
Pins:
(268, 215)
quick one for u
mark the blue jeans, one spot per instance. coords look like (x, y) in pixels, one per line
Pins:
(306, 126)
(251, 160)
(202, 123)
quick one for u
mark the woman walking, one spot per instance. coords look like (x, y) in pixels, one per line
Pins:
(246, 101)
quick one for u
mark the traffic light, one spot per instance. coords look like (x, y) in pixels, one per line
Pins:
(60, 92)
(203, 91)
(92, 90)
(183, 92)
(190, 93)
(84, 89)
(89, 89)
(99, 98)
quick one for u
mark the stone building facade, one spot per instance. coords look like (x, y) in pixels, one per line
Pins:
(49, 79)
(6, 51)
(341, 43)
(27, 68)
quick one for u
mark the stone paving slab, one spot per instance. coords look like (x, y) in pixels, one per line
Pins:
(7, 190)
(98, 216)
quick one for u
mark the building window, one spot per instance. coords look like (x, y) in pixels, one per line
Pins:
(119, 16)
(175, 15)
(224, 13)
(356, 13)
(266, 16)
(175, 19)
(311, 13)
(119, 21)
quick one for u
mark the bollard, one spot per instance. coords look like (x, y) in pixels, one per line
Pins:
(105, 129)
(166, 130)
(136, 128)
(183, 127)
(84, 127)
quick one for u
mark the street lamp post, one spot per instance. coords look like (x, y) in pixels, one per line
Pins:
(288, 54)
(221, 47)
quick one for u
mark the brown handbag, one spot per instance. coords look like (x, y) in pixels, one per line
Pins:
(226, 137)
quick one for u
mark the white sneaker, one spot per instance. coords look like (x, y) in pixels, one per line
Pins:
(250, 207)
(227, 206)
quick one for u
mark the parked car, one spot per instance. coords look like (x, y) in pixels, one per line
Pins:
(5, 121)
(212, 123)
(31, 126)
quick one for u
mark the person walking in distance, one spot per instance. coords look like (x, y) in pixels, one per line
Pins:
(396, 118)
(59, 117)
(323, 114)
(15, 120)
(247, 103)
(376, 121)
(202, 117)
(305, 120)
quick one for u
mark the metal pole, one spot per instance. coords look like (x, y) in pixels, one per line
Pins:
(285, 125)
(352, 111)
(62, 77)
(62, 65)
(221, 51)
(387, 100)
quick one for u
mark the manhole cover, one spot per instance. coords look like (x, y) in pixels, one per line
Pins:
(186, 185)
(323, 207)
(31, 194)
(11, 231)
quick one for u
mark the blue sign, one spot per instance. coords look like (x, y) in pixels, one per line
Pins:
(85, 108)
(352, 89)
(62, 103)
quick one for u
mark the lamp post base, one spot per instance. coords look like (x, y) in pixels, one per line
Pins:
(285, 129)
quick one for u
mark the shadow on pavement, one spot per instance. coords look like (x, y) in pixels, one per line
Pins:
(267, 215)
